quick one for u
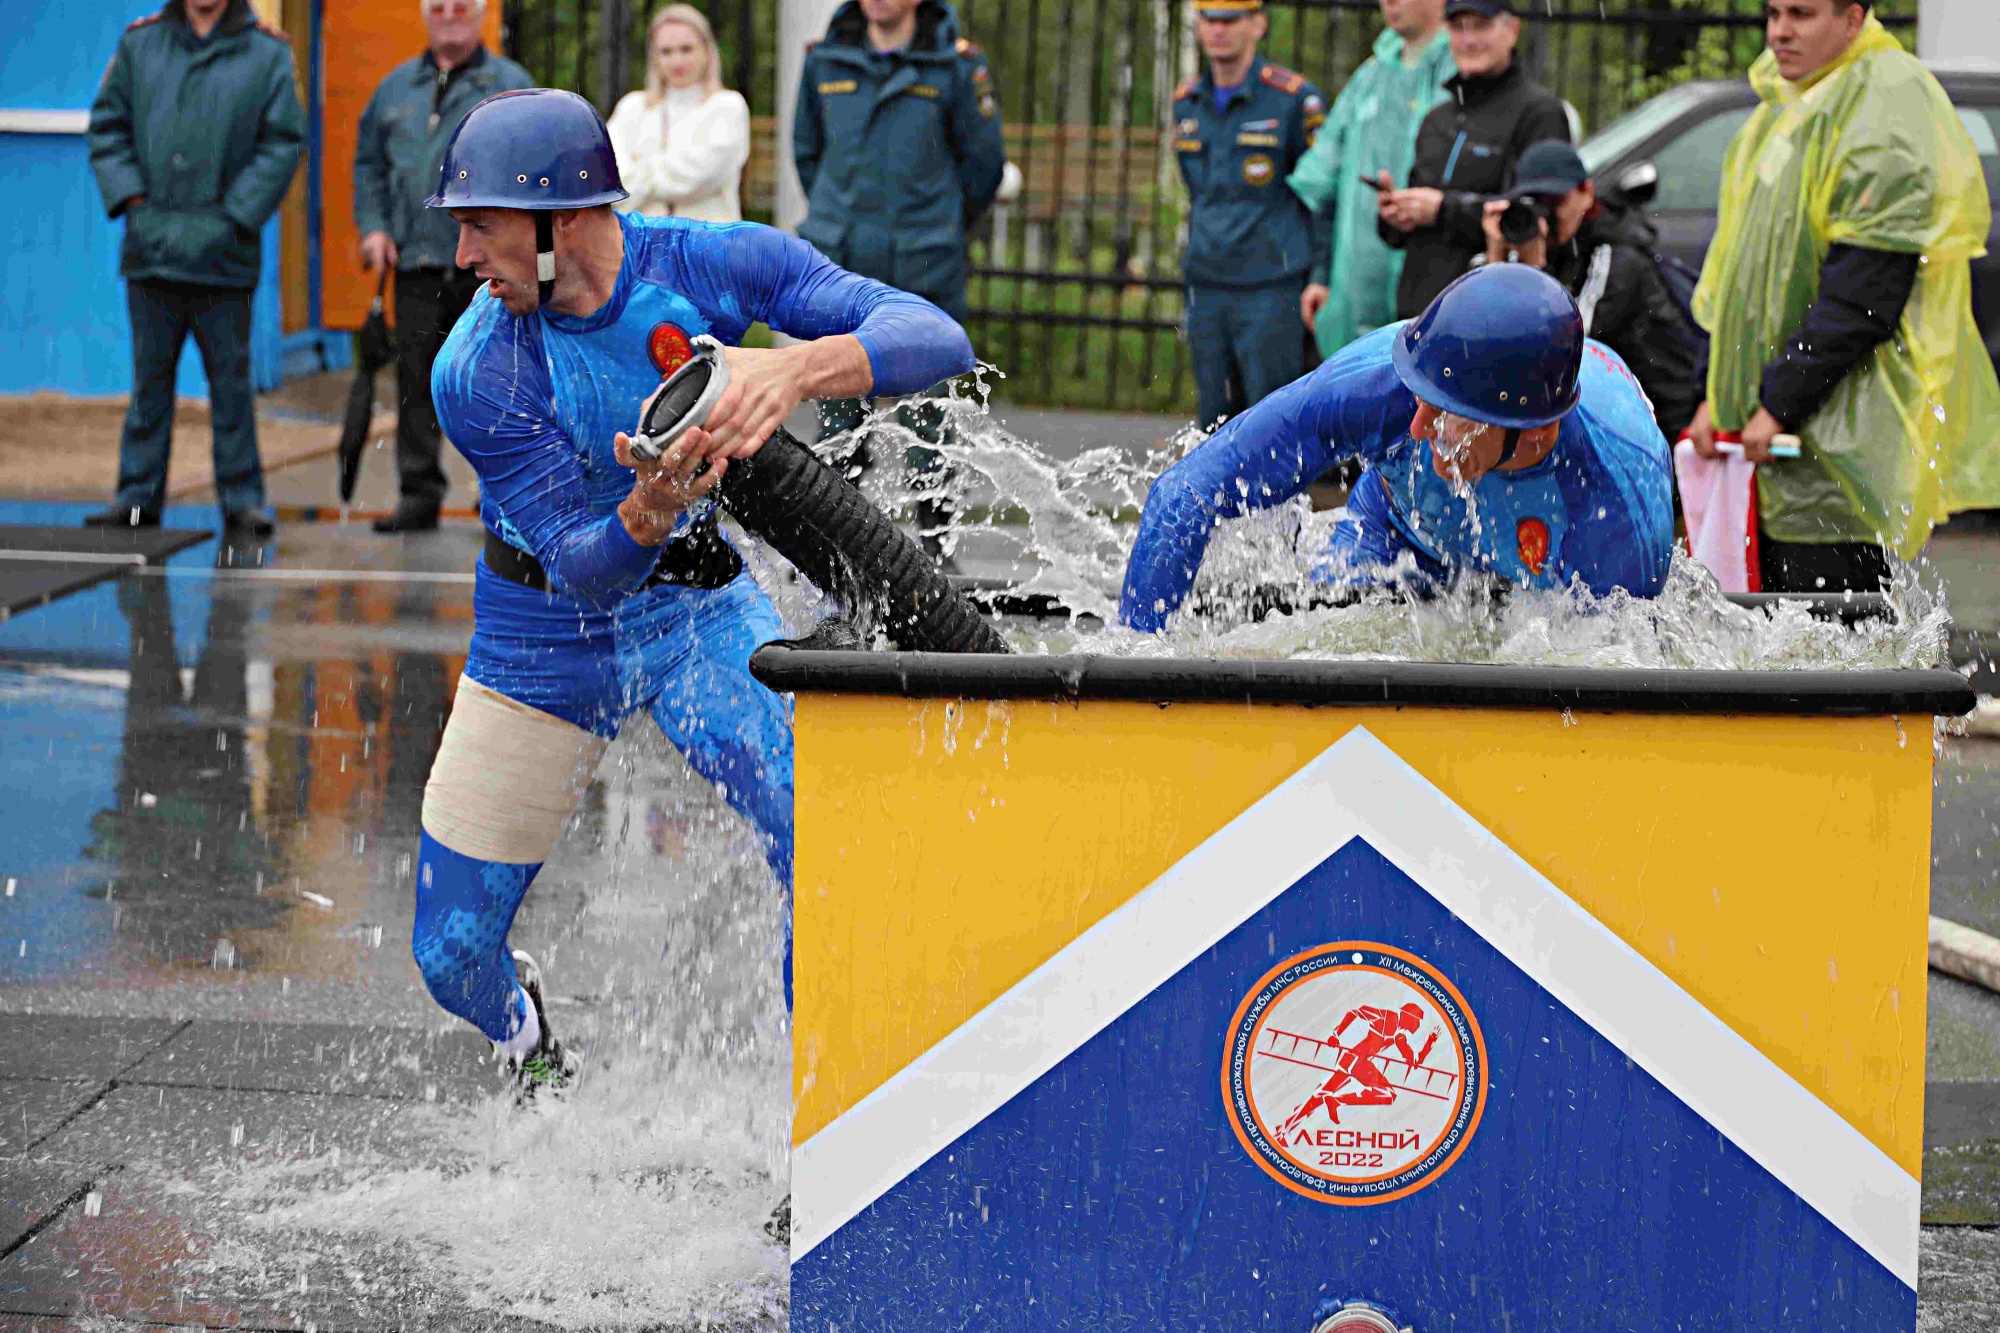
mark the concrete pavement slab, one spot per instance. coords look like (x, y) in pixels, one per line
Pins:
(1956, 1113)
(1962, 1044)
(202, 1126)
(326, 1058)
(53, 1046)
(33, 1109)
(33, 1192)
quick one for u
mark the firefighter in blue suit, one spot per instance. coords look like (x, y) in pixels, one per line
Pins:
(605, 587)
(1494, 437)
(1240, 127)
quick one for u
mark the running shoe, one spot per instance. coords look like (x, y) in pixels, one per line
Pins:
(779, 1226)
(550, 1066)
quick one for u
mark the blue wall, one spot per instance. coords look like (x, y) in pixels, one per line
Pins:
(62, 305)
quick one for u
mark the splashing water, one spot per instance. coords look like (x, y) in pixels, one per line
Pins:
(1075, 521)
(637, 1198)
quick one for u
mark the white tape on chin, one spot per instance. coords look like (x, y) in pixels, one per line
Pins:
(545, 266)
(506, 777)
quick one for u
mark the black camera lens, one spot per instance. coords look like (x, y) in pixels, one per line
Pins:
(1522, 221)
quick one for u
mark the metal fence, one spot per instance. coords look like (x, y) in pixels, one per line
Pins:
(1076, 294)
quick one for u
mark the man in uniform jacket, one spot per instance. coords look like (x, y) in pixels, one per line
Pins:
(897, 145)
(897, 142)
(1240, 127)
(1466, 150)
(409, 120)
(194, 136)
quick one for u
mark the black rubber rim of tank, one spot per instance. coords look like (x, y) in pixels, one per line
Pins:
(1350, 684)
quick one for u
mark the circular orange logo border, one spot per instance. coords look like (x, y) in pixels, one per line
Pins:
(1298, 968)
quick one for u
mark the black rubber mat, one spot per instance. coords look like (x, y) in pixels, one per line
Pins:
(148, 545)
(39, 564)
(26, 584)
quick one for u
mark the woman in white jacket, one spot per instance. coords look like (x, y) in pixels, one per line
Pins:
(682, 141)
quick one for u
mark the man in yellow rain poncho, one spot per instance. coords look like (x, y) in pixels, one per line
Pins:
(1837, 295)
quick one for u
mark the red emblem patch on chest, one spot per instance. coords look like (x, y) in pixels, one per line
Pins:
(669, 347)
(1531, 539)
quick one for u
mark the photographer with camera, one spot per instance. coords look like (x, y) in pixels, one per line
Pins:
(1604, 255)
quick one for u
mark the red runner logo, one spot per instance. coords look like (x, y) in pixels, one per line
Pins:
(1355, 1073)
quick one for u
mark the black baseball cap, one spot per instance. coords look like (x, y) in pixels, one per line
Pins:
(1490, 8)
(1547, 167)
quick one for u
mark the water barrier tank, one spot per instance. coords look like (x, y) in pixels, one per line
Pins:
(1197, 995)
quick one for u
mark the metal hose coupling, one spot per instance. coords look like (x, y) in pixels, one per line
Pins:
(683, 400)
(814, 518)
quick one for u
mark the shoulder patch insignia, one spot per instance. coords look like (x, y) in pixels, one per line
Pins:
(142, 22)
(1187, 88)
(969, 48)
(271, 30)
(1284, 80)
(811, 42)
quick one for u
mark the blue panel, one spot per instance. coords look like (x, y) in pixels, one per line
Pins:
(52, 55)
(63, 324)
(1113, 1194)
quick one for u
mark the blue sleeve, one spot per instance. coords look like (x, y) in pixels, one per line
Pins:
(760, 273)
(1353, 405)
(493, 398)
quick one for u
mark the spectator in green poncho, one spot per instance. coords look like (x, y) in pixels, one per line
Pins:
(1372, 129)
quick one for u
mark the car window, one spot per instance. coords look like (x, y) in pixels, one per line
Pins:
(1636, 126)
(1691, 166)
(1983, 124)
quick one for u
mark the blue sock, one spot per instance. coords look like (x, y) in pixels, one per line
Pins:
(465, 907)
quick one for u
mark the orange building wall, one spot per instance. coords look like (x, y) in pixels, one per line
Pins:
(360, 42)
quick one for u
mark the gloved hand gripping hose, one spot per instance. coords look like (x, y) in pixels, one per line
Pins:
(821, 523)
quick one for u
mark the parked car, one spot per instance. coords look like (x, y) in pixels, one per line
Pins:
(1666, 154)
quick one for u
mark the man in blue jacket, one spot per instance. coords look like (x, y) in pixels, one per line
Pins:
(605, 587)
(194, 136)
(897, 142)
(1240, 128)
(414, 111)
(1494, 438)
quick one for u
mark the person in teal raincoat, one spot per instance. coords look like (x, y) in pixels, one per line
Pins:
(1372, 128)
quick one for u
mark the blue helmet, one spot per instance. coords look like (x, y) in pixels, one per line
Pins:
(535, 148)
(1502, 345)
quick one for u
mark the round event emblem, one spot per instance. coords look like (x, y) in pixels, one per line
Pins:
(1259, 169)
(1355, 1073)
(669, 347)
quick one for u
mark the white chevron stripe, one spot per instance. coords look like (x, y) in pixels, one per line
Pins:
(1357, 787)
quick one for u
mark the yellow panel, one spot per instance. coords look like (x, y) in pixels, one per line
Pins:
(1776, 868)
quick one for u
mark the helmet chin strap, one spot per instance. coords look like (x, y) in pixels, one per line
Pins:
(545, 255)
(1507, 446)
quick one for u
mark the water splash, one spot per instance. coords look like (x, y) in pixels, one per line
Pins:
(1075, 521)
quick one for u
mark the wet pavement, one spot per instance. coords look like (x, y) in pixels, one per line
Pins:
(227, 1102)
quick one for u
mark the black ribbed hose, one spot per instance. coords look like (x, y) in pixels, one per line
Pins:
(814, 518)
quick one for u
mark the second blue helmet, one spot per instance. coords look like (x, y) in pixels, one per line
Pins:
(1502, 345)
(535, 148)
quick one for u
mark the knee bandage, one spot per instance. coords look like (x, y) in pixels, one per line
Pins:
(506, 777)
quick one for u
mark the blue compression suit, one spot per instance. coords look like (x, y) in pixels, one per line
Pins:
(1599, 508)
(533, 403)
